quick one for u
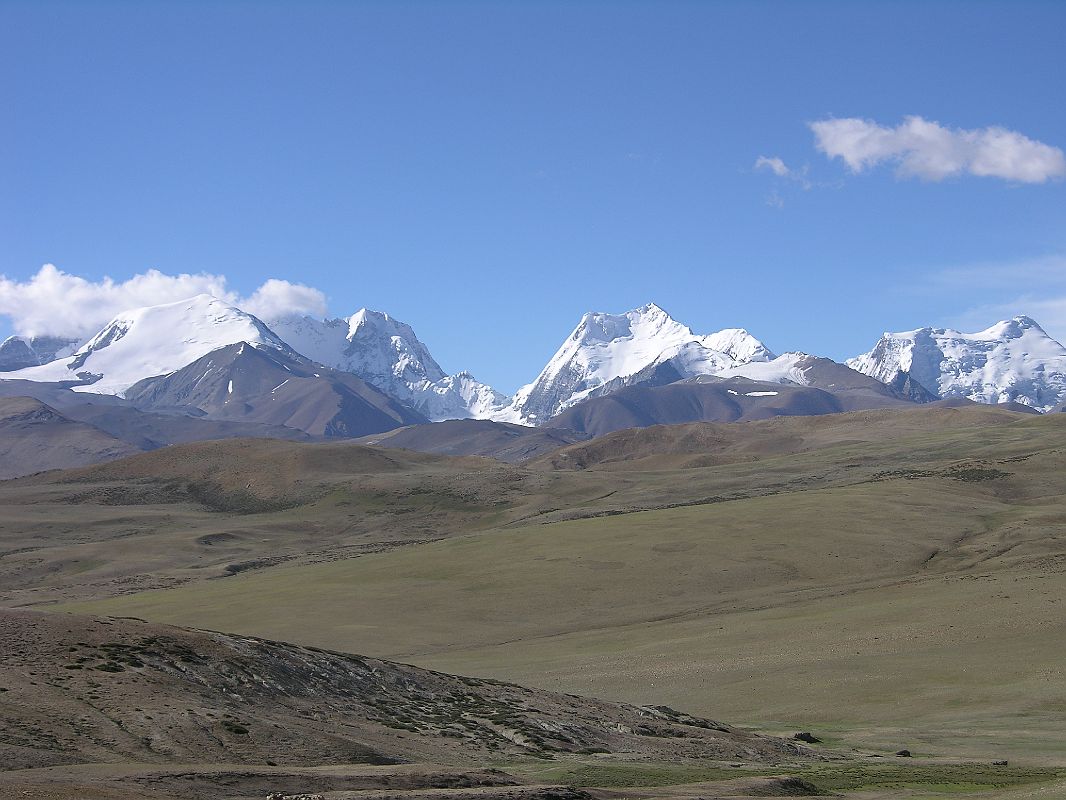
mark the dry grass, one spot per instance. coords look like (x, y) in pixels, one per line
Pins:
(890, 580)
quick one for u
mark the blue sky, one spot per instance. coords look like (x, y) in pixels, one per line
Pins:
(489, 171)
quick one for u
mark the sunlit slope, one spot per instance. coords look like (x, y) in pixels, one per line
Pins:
(197, 512)
(912, 583)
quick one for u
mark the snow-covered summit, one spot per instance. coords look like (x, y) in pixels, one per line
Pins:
(605, 350)
(387, 354)
(371, 344)
(738, 344)
(1012, 361)
(155, 340)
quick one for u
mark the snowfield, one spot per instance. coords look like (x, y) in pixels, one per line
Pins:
(1012, 361)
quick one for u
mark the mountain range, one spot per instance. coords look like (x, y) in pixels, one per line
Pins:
(1012, 361)
(607, 352)
(202, 368)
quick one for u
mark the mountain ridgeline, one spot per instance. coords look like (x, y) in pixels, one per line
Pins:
(202, 368)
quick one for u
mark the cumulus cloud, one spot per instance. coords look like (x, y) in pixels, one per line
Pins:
(277, 298)
(774, 164)
(928, 150)
(57, 303)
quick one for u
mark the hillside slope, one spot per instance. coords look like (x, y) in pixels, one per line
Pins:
(267, 387)
(35, 437)
(500, 440)
(713, 399)
(893, 574)
(147, 693)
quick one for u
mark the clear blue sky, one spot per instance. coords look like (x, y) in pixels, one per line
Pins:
(489, 171)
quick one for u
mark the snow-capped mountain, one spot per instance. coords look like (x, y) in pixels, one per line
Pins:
(607, 352)
(19, 352)
(151, 341)
(277, 388)
(387, 354)
(1012, 361)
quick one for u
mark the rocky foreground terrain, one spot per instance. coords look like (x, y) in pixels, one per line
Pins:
(90, 701)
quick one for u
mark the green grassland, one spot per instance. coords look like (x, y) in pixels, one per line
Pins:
(884, 584)
(911, 780)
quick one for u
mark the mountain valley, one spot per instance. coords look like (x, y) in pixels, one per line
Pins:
(782, 541)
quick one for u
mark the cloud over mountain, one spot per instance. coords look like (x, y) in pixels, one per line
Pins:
(54, 302)
(928, 150)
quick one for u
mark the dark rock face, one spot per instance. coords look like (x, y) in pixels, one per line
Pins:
(716, 400)
(19, 352)
(241, 382)
(906, 385)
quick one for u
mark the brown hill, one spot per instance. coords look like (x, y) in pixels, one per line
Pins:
(145, 430)
(35, 437)
(716, 400)
(240, 382)
(706, 443)
(476, 437)
(77, 689)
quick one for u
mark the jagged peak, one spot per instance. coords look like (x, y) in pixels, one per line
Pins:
(650, 310)
(366, 315)
(646, 321)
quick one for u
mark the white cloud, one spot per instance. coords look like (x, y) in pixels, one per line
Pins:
(928, 150)
(774, 164)
(58, 303)
(796, 176)
(277, 298)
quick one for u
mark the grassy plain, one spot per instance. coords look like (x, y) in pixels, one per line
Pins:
(886, 580)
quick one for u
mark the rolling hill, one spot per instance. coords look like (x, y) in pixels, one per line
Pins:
(500, 440)
(35, 437)
(864, 574)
